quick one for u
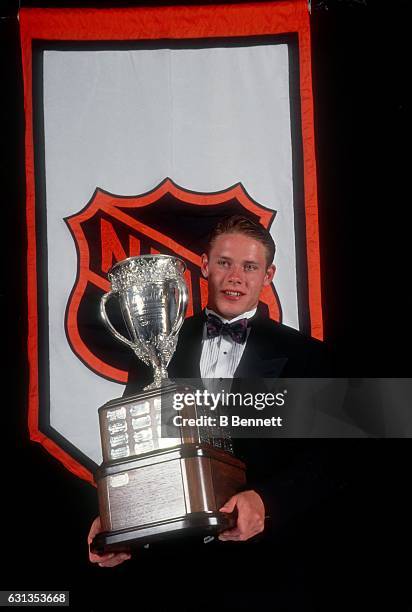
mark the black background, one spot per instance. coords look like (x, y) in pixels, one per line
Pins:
(353, 550)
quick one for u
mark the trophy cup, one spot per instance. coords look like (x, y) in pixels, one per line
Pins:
(152, 487)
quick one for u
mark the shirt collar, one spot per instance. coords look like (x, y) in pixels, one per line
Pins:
(245, 315)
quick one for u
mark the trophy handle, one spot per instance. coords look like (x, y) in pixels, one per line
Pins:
(181, 307)
(107, 321)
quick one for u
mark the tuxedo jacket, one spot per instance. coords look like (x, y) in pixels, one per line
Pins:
(306, 486)
(289, 474)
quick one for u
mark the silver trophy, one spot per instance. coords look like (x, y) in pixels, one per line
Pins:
(153, 297)
(152, 486)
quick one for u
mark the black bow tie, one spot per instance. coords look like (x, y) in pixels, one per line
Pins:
(236, 330)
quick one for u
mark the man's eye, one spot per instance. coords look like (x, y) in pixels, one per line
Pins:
(223, 262)
(250, 267)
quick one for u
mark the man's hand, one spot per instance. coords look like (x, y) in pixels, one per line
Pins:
(250, 516)
(108, 560)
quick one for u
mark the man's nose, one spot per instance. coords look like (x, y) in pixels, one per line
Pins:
(235, 275)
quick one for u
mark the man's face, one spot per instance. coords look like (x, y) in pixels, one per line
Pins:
(237, 271)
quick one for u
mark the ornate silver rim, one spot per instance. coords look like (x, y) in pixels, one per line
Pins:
(147, 257)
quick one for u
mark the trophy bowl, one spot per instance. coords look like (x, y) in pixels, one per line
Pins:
(152, 295)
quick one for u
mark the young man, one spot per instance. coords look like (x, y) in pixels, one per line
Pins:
(234, 338)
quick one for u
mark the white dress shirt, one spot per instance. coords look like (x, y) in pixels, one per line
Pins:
(221, 355)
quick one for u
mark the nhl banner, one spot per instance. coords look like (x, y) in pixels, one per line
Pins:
(145, 126)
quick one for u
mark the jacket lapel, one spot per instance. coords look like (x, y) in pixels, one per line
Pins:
(260, 359)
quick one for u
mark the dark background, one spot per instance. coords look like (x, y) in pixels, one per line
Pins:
(355, 548)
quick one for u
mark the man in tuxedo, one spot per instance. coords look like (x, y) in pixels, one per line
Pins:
(235, 338)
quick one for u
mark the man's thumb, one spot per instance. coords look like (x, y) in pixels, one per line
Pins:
(229, 506)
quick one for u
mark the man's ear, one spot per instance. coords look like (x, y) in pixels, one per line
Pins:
(270, 273)
(205, 265)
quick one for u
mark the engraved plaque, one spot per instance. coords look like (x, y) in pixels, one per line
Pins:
(158, 496)
(113, 415)
(120, 452)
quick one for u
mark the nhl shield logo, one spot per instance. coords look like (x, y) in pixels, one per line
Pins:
(170, 220)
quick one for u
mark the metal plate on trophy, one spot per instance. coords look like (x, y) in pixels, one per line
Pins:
(151, 486)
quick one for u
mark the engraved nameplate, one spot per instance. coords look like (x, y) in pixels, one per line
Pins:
(114, 415)
(139, 409)
(120, 453)
(118, 440)
(117, 427)
(144, 421)
(154, 493)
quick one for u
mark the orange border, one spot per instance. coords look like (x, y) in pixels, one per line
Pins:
(174, 22)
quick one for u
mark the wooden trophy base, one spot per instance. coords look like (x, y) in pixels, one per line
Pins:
(166, 493)
(160, 493)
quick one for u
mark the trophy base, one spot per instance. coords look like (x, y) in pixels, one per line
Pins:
(152, 487)
(197, 524)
